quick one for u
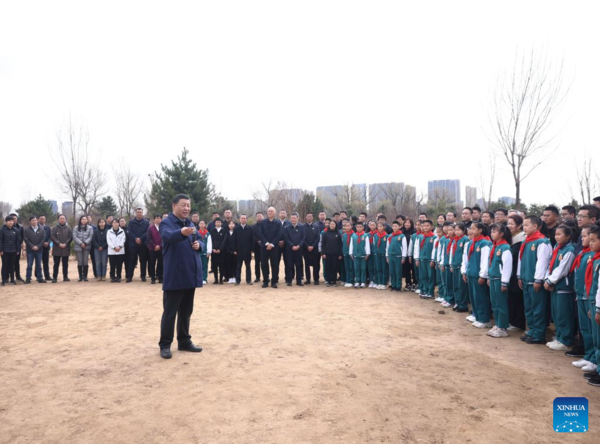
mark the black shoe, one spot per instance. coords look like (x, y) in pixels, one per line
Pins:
(113, 280)
(28, 281)
(265, 285)
(13, 283)
(256, 280)
(54, 281)
(590, 375)
(43, 281)
(595, 381)
(3, 284)
(66, 279)
(576, 352)
(160, 281)
(118, 280)
(143, 279)
(307, 283)
(300, 284)
(532, 341)
(190, 348)
(273, 285)
(316, 283)
(327, 284)
(289, 284)
(524, 337)
(462, 310)
(153, 281)
(128, 280)
(237, 283)
(165, 353)
(216, 283)
(20, 279)
(85, 273)
(249, 283)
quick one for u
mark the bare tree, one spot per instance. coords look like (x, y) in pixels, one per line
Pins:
(524, 107)
(81, 178)
(5, 208)
(129, 188)
(486, 179)
(587, 182)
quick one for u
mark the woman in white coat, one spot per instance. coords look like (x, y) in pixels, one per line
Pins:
(83, 236)
(115, 238)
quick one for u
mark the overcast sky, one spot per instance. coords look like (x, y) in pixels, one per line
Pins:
(312, 92)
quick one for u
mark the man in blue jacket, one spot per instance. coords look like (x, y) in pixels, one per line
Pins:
(271, 233)
(137, 233)
(182, 270)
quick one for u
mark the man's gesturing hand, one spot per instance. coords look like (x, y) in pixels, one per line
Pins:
(186, 231)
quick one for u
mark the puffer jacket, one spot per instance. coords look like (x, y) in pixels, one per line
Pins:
(83, 237)
(10, 240)
(61, 234)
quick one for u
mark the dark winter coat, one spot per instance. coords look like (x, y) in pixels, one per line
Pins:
(61, 234)
(34, 239)
(10, 239)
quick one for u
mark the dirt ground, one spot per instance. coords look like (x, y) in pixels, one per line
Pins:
(79, 363)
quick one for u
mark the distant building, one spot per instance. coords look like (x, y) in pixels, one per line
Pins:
(249, 207)
(379, 193)
(508, 201)
(444, 190)
(67, 210)
(470, 196)
(54, 206)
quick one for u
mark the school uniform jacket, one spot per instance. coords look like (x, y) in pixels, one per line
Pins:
(560, 277)
(534, 262)
(424, 248)
(379, 243)
(362, 248)
(476, 266)
(456, 252)
(579, 275)
(396, 246)
(346, 241)
(502, 264)
(207, 239)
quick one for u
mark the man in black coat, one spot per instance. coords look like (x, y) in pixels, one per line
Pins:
(217, 236)
(255, 228)
(294, 244)
(244, 245)
(46, 251)
(19, 228)
(283, 220)
(137, 233)
(310, 252)
(270, 231)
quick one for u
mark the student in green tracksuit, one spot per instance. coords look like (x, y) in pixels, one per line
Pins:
(379, 244)
(436, 257)
(578, 269)
(559, 282)
(411, 251)
(534, 258)
(475, 268)
(396, 252)
(449, 300)
(348, 263)
(371, 261)
(499, 273)
(204, 236)
(423, 258)
(592, 286)
(461, 290)
(418, 239)
(360, 249)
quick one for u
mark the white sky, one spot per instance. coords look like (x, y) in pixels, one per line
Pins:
(312, 92)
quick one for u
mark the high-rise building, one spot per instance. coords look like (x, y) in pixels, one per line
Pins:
(249, 207)
(447, 191)
(54, 206)
(508, 200)
(470, 196)
(67, 210)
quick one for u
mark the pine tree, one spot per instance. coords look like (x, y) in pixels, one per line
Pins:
(107, 206)
(37, 207)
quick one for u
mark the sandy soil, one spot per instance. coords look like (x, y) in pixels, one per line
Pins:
(79, 363)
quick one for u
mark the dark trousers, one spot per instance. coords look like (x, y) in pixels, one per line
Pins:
(34, 256)
(312, 259)
(116, 265)
(136, 251)
(285, 253)
(257, 262)
(155, 264)
(238, 270)
(218, 265)
(65, 266)
(407, 273)
(293, 266)
(332, 265)
(230, 262)
(18, 266)
(8, 266)
(516, 307)
(271, 256)
(180, 304)
(46, 263)
(93, 260)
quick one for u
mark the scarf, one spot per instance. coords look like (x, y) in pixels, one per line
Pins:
(202, 233)
(554, 255)
(496, 244)
(532, 238)
(425, 236)
(380, 235)
(577, 261)
(393, 235)
(589, 274)
(474, 241)
(359, 236)
(349, 236)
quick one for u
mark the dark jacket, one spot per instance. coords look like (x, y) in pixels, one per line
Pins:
(218, 238)
(244, 241)
(229, 241)
(256, 231)
(10, 239)
(312, 235)
(270, 232)
(34, 239)
(20, 228)
(321, 225)
(294, 236)
(61, 234)
(210, 226)
(99, 238)
(137, 229)
(153, 237)
(182, 265)
(331, 243)
(48, 232)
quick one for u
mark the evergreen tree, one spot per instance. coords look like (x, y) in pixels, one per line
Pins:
(107, 206)
(37, 207)
(309, 204)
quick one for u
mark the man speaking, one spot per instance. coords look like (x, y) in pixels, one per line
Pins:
(182, 270)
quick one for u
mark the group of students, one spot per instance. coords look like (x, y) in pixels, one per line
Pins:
(111, 241)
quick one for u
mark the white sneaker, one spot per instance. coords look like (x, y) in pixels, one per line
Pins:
(558, 346)
(357, 285)
(471, 318)
(494, 328)
(362, 285)
(581, 363)
(591, 367)
(513, 328)
(371, 284)
(446, 304)
(478, 324)
(418, 291)
(382, 287)
(552, 342)
(439, 299)
(203, 282)
(499, 333)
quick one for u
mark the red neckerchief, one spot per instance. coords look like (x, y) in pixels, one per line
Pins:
(473, 242)
(453, 243)
(589, 273)
(393, 235)
(203, 232)
(554, 255)
(577, 261)
(349, 236)
(532, 238)
(359, 236)
(425, 236)
(500, 242)
(380, 235)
